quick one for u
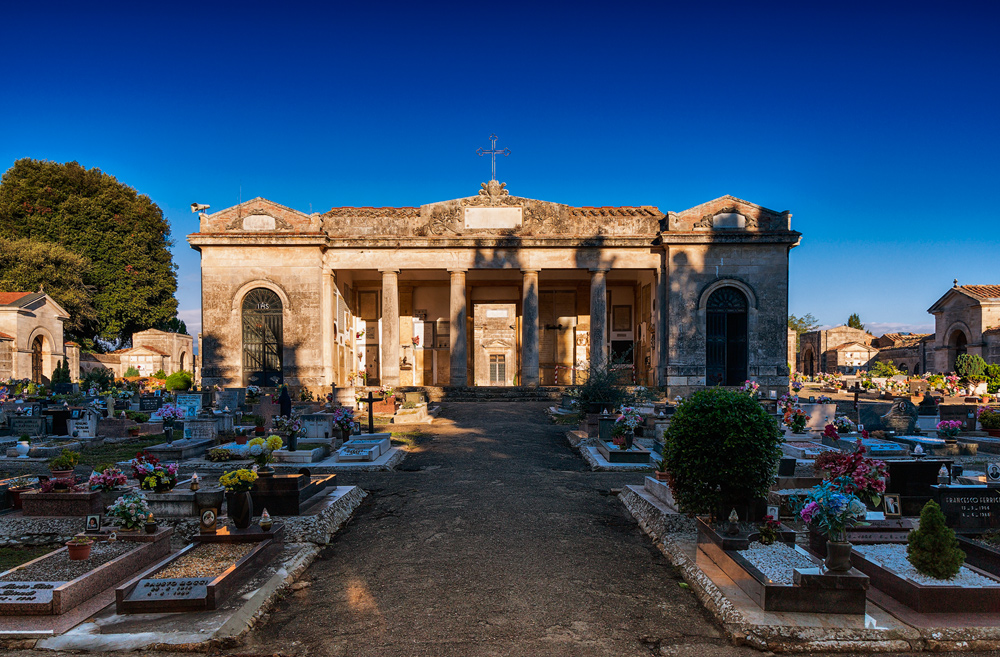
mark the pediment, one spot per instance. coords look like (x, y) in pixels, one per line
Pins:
(729, 213)
(259, 215)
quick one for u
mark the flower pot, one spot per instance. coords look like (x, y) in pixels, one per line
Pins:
(163, 488)
(265, 471)
(629, 437)
(240, 509)
(62, 474)
(838, 556)
(662, 476)
(23, 447)
(258, 431)
(15, 494)
(79, 551)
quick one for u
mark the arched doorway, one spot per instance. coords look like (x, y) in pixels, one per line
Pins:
(37, 346)
(957, 345)
(262, 338)
(726, 338)
(183, 360)
(809, 362)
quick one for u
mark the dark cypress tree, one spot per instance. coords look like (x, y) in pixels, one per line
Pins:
(933, 549)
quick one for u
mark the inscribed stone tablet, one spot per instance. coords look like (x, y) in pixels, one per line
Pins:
(496, 218)
(187, 588)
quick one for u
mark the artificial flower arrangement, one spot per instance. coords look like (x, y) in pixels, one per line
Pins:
(751, 387)
(796, 386)
(238, 481)
(284, 423)
(832, 510)
(152, 474)
(844, 424)
(108, 480)
(130, 510)
(171, 412)
(795, 419)
(253, 394)
(856, 473)
(416, 341)
(260, 449)
(343, 417)
(949, 428)
(61, 485)
(769, 530)
(823, 399)
(951, 385)
(629, 418)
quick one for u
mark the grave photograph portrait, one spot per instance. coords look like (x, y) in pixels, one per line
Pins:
(93, 523)
(891, 505)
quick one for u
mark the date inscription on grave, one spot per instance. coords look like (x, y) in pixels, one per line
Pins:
(22, 592)
(185, 588)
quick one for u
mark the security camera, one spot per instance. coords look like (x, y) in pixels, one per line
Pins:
(199, 207)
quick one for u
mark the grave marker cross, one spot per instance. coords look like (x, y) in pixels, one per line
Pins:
(371, 414)
(493, 152)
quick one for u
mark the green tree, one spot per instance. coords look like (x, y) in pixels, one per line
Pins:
(854, 321)
(122, 233)
(933, 549)
(971, 366)
(132, 371)
(802, 325)
(28, 264)
(884, 369)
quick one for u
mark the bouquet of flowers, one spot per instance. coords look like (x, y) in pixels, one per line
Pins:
(110, 479)
(629, 418)
(751, 387)
(343, 417)
(238, 481)
(284, 423)
(130, 510)
(253, 394)
(796, 419)
(769, 530)
(416, 341)
(949, 428)
(151, 473)
(855, 473)
(260, 449)
(171, 412)
(387, 391)
(796, 386)
(844, 424)
(951, 385)
(823, 399)
(832, 510)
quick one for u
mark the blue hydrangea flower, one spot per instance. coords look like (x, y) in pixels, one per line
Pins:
(256, 450)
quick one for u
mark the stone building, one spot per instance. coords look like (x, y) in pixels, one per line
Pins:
(913, 353)
(152, 350)
(966, 320)
(841, 349)
(31, 337)
(494, 289)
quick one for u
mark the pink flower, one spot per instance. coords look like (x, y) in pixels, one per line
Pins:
(809, 511)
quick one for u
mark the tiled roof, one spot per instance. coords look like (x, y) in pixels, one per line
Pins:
(4, 336)
(982, 291)
(7, 298)
(854, 342)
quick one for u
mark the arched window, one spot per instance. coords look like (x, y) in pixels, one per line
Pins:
(726, 338)
(262, 340)
(36, 360)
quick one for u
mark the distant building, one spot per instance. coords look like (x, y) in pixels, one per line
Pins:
(966, 321)
(151, 351)
(912, 353)
(841, 349)
(31, 337)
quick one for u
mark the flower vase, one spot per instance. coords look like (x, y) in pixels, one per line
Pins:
(240, 509)
(23, 448)
(265, 471)
(629, 437)
(838, 556)
(292, 442)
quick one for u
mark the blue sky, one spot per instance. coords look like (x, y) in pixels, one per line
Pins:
(873, 123)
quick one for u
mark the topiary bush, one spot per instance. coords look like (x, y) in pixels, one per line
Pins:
(933, 549)
(722, 449)
(179, 381)
(132, 371)
(159, 374)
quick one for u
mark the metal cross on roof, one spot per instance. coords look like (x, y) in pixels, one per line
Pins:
(493, 152)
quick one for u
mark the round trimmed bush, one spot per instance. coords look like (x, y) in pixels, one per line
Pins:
(179, 381)
(722, 449)
(933, 549)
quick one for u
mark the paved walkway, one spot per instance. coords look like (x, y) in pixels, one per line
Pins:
(494, 539)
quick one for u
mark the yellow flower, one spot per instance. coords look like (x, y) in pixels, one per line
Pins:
(238, 480)
(273, 443)
(256, 441)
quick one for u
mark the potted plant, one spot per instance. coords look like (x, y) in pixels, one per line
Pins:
(19, 485)
(660, 472)
(831, 510)
(239, 504)
(129, 511)
(23, 446)
(989, 419)
(62, 465)
(153, 475)
(260, 450)
(108, 481)
(948, 429)
(259, 425)
(343, 419)
(79, 548)
(287, 427)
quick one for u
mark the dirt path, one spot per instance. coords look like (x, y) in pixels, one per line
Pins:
(492, 540)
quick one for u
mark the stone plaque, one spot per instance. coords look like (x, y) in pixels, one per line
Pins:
(27, 592)
(493, 218)
(357, 453)
(227, 399)
(190, 403)
(150, 404)
(969, 507)
(185, 588)
(33, 426)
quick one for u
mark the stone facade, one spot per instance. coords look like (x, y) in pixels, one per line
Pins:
(840, 349)
(966, 320)
(913, 353)
(154, 350)
(674, 299)
(31, 337)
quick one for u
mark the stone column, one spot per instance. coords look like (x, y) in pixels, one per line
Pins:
(327, 303)
(390, 327)
(598, 316)
(662, 306)
(529, 328)
(459, 311)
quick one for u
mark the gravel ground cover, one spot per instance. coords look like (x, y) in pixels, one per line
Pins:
(206, 560)
(59, 568)
(776, 561)
(893, 557)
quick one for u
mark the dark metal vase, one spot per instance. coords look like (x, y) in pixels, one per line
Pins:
(629, 437)
(240, 509)
(838, 556)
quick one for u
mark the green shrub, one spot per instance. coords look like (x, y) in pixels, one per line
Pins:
(136, 416)
(99, 378)
(971, 367)
(933, 549)
(722, 449)
(159, 374)
(132, 371)
(67, 460)
(179, 381)
(883, 369)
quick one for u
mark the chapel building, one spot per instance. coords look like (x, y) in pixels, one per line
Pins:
(494, 290)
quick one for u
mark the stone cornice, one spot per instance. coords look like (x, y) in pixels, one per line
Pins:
(735, 237)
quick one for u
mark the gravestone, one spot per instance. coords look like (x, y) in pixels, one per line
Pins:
(27, 424)
(228, 398)
(964, 413)
(198, 429)
(918, 386)
(970, 509)
(380, 440)
(317, 426)
(192, 405)
(912, 480)
(928, 407)
(82, 423)
(150, 404)
(820, 415)
(357, 453)
(900, 418)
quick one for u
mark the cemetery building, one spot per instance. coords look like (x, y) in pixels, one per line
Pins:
(912, 353)
(966, 321)
(154, 350)
(31, 337)
(841, 349)
(494, 290)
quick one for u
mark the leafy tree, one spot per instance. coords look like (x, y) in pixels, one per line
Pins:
(159, 374)
(933, 549)
(802, 325)
(122, 233)
(27, 264)
(883, 369)
(132, 371)
(173, 325)
(854, 321)
(722, 448)
(971, 366)
(100, 378)
(179, 381)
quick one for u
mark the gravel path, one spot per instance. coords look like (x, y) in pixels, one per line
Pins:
(59, 568)
(206, 560)
(776, 561)
(893, 557)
